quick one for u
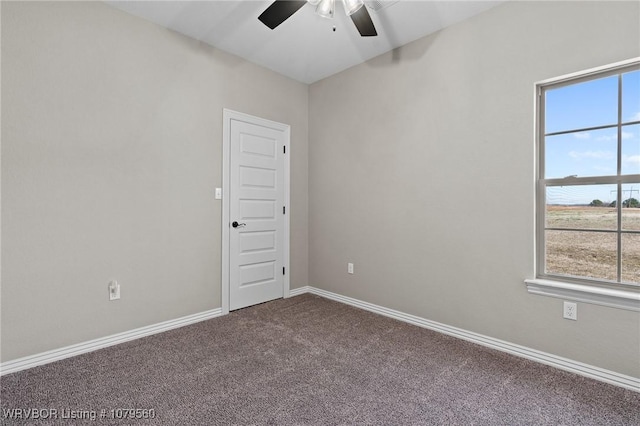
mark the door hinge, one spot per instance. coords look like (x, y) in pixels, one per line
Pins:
(284, 211)
(283, 270)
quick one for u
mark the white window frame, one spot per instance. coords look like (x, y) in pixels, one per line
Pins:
(600, 292)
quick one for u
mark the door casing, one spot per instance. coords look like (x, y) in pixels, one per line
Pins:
(227, 116)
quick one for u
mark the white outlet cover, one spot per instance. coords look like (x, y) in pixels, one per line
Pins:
(570, 311)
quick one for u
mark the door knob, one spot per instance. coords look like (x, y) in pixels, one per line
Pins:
(236, 224)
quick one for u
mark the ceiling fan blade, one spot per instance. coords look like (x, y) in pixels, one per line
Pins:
(279, 11)
(363, 22)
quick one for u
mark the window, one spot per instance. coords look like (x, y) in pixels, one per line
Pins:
(588, 194)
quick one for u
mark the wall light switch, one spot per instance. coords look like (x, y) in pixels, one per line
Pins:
(114, 290)
(218, 193)
(350, 268)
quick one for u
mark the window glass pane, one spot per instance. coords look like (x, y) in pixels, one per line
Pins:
(583, 254)
(593, 153)
(630, 195)
(631, 258)
(631, 207)
(582, 217)
(631, 96)
(589, 104)
(631, 150)
(581, 207)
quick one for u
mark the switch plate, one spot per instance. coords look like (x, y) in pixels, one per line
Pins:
(218, 193)
(114, 290)
(350, 268)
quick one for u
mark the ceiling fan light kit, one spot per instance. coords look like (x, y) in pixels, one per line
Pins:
(279, 11)
(326, 8)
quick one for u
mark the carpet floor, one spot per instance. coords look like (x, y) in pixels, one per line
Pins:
(309, 360)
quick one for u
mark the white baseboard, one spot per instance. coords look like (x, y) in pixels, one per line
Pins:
(566, 364)
(299, 291)
(103, 342)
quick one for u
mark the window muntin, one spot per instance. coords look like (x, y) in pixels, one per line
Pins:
(589, 178)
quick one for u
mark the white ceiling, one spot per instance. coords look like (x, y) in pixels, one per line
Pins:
(304, 47)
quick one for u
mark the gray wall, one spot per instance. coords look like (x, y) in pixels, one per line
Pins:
(421, 172)
(111, 150)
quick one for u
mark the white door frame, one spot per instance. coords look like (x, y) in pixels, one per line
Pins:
(227, 116)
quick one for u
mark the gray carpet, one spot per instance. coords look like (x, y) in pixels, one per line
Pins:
(308, 360)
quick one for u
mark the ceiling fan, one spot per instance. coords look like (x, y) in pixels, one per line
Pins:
(281, 10)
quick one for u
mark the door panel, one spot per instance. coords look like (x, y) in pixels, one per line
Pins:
(257, 273)
(256, 256)
(257, 241)
(257, 209)
(257, 177)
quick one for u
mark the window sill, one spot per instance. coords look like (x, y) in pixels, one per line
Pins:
(621, 299)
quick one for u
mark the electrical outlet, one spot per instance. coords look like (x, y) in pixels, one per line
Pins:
(350, 268)
(570, 311)
(114, 290)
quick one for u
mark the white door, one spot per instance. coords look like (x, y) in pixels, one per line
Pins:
(257, 211)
